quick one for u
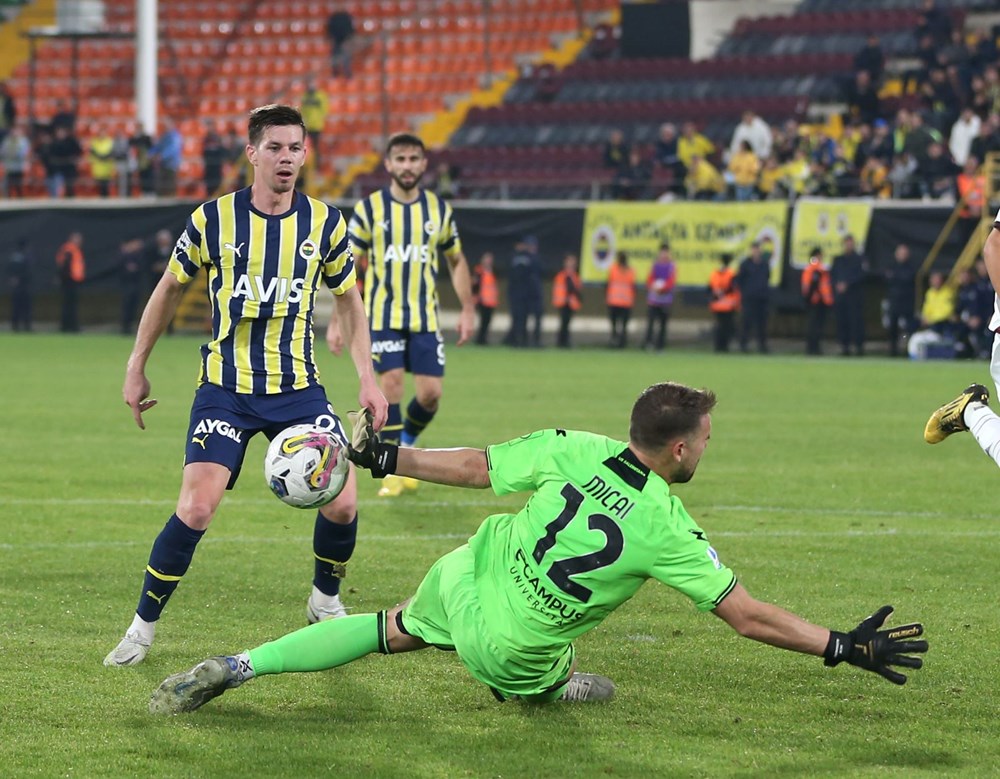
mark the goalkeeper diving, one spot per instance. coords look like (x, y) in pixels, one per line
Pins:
(601, 520)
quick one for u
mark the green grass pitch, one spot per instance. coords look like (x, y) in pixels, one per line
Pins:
(817, 488)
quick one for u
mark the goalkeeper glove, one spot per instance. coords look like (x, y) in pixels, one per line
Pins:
(876, 650)
(365, 450)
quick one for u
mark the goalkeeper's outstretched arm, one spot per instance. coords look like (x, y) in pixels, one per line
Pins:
(867, 646)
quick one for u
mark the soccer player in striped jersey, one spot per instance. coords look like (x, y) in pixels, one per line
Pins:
(266, 249)
(403, 231)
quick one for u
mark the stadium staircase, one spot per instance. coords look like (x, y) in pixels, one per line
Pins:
(973, 248)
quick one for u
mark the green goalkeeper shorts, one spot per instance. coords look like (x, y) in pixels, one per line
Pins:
(446, 613)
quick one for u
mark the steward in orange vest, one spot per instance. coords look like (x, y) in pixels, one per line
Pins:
(724, 301)
(620, 298)
(818, 293)
(484, 290)
(567, 297)
(69, 261)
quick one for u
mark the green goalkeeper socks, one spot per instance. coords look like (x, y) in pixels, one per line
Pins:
(326, 644)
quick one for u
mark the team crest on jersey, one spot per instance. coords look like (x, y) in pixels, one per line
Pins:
(307, 249)
(430, 227)
(183, 242)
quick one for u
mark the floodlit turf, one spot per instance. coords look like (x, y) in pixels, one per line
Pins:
(817, 488)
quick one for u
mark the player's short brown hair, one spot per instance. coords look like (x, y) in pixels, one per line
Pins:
(664, 412)
(403, 139)
(272, 115)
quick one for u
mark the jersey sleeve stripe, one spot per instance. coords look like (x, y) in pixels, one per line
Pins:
(729, 588)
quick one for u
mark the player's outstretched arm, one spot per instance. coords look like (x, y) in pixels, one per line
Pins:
(455, 467)
(160, 309)
(354, 325)
(866, 646)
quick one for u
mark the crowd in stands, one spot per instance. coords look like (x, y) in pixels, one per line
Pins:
(114, 160)
(923, 133)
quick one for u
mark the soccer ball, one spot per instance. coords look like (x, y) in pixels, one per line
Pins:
(306, 466)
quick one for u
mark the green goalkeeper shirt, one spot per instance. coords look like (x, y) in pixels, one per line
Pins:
(598, 524)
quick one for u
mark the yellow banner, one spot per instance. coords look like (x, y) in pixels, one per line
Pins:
(824, 223)
(697, 233)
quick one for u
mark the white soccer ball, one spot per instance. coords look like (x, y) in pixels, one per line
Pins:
(306, 466)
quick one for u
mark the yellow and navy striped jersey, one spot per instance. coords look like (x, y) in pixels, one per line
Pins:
(404, 242)
(263, 273)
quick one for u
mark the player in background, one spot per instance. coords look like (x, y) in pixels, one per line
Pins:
(266, 248)
(969, 411)
(402, 231)
(601, 520)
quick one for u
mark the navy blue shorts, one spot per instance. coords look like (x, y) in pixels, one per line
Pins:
(419, 353)
(223, 422)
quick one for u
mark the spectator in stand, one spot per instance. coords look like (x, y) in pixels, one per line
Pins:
(19, 273)
(935, 22)
(903, 176)
(787, 141)
(42, 150)
(615, 153)
(167, 154)
(797, 174)
(742, 171)
(692, 144)
(863, 103)
(667, 156)
(871, 59)
(936, 175)
(918, 136)
(769, 183)
(703, 180)
(445, 181)
(659, 298)
(485, 295)
(940, 99)
(901, 291)
(15, 156)
(926, 55)
(631, 182)
(64, 158)
(878, 144)
(756, 132)
(121, 153)
(818, 294)
(315, 106)
(131, 272)
(977, 99)
(963, 133)
(65, 117)
(141, 144)
(724, 302)
(8, 111)
(753, 280)
(847, 275)
(72, 271)
(620, 298)
(213, 159)
(340, 33)
(567, 298)
(102, 160)
(873, 179)
(991, 77)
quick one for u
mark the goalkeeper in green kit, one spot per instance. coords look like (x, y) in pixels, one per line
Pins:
(600, 521)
